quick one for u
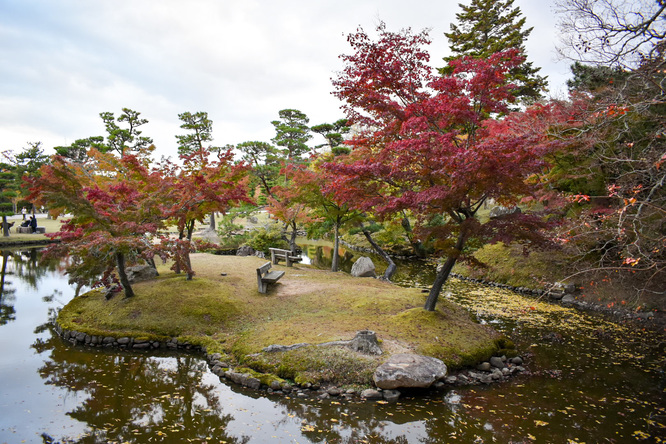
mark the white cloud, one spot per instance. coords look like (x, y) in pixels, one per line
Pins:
(62, 63)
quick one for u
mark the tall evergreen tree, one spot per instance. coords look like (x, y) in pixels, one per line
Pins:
(292, 133)
(201, 131)
(489, 26)
(192, 144)
(125, 140)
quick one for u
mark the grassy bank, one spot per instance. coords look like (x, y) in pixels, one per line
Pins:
(222, 309)
(50, 225)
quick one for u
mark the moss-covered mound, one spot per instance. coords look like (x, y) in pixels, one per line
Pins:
(222, 310)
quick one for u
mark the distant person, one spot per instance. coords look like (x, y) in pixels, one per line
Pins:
(33, 223)
(24, 212)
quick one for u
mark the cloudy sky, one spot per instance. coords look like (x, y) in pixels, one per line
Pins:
(62, 62)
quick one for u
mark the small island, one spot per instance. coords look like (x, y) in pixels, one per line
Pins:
(222, 313)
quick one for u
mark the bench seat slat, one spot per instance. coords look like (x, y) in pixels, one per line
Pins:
(272, 276)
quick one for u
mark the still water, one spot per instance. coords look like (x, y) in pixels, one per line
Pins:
(592, 381)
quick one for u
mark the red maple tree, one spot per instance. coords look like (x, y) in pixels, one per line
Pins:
(114, 205)
(200, 187)
(433, 146)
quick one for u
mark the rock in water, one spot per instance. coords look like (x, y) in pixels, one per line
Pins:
(409, 370)
(363, 267)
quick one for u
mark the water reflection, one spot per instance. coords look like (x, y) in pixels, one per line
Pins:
(599, 382)
(135, 398)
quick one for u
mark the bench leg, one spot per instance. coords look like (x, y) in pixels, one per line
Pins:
(261, 284)
(273, 258)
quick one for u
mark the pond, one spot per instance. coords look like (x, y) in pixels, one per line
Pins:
(591, 381)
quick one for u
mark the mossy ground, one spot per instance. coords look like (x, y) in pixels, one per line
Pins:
(222, 309)
(540, 269)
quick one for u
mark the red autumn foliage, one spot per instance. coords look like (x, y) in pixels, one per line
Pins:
(434, 145)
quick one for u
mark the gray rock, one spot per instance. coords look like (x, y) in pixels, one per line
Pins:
(333, 391)
(391, 395)
(245, 250)
(501, 211)
(363, 267)
(123, 341)
(451, 380)
(366, 342)
(274, 348)
(484, 367)
(252, 383)
(564, 287)
(497, 362)
(138, 273)
(409, 370)
(517, 360)
(568, 299)
(371, 394)
(275, 385)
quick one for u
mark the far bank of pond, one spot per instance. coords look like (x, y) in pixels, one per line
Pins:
(591, 381)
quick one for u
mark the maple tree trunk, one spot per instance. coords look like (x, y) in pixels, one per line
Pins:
(392, 267)
(212, 221)
(190, 274)
(151, 262)
(336, 247)
(181, 235)
(120, 261)
(417, 246)
(5, 227)
(444, 272)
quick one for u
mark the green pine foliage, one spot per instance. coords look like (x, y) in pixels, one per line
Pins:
(488, 26)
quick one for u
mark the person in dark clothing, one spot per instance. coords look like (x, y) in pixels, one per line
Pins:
(33, 223)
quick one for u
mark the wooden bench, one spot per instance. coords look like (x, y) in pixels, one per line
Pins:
(29, 230)
(265, 277)
(278, 254)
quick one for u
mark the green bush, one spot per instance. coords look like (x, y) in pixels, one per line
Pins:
(263, 239)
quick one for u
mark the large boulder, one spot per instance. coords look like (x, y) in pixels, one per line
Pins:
(245, 250)
(138, 273)
(501, 211)
(363, 267)
(409, 370)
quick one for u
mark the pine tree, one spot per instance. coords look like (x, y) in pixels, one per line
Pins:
(489, 26)
(292, 133)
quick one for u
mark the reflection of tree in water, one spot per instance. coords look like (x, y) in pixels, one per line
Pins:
(341, 421)
(136, 399)
(7, 294)
(322, 257)
(26, 266)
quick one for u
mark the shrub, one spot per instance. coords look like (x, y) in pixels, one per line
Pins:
(263, 239)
